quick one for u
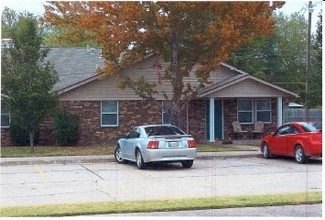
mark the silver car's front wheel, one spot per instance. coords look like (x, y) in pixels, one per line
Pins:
(139, 160)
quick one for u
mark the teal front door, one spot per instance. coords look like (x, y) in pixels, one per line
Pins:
(218, 119)
(218, 128)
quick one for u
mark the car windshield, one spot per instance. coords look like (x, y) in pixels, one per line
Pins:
(163, 130)
(308, 127)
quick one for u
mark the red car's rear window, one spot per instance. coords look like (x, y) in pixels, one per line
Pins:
(308, 127)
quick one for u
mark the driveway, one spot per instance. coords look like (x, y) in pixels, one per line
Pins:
(109, 181)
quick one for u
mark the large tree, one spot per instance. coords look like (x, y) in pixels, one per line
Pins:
(182, 33)
(27, 80)
(281, 58)
(8, 19)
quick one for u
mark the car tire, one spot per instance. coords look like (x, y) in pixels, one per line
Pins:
(118, 155)
(300, 155)
(187, 163)
(266, 151)
(139, 160)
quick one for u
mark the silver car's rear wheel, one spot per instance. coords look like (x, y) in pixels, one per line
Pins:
(139, 160)
(187, 163)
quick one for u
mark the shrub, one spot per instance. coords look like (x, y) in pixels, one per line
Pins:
(66, 128)
(19, 136)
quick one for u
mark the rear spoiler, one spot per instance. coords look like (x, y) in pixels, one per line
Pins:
(172, 136)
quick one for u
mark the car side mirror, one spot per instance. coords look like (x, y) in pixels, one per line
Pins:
(273, 133)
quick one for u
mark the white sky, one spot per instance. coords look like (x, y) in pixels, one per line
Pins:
(291, 6)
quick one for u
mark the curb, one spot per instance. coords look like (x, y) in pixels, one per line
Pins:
(110, 158)
(55, 160)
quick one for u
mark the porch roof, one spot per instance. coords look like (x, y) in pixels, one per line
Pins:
(245, 85)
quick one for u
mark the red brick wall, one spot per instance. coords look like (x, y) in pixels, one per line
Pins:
(197, 120)
(133, 113)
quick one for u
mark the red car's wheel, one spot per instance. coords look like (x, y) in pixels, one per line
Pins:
(266, 151)
(300, 155)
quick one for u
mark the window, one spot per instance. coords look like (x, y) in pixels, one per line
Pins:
(284, 130)
(250, 109)
(109, 113)
(136, 133)
(288, 129)
(163, 130)
(166, 119)
(263, 110)
(5, 119)
(245, 111)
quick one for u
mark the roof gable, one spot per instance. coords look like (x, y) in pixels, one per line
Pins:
(237, 86)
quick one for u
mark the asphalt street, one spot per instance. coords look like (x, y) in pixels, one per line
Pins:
(58, 180)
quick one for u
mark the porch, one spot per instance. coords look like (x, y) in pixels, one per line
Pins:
(222, 113)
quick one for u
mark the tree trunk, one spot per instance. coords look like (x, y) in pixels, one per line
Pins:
(31, 140)
(175, 114)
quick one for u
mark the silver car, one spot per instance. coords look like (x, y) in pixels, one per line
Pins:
(156, 143)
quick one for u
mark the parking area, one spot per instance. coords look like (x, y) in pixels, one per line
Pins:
(213, 176)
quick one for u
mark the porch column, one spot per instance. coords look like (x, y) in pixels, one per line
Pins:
(211, 120)
(280, 111)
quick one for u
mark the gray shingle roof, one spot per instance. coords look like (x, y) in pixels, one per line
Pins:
(74, 64)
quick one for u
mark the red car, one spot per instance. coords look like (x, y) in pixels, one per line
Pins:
(300, 140)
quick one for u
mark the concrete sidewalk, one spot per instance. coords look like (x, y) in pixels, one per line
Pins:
(248, 151)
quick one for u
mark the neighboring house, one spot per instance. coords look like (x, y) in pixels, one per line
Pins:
(107, 112)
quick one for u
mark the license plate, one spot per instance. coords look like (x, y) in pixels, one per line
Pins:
(173, 144)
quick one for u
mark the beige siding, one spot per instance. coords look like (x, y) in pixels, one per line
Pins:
(248, 88)
(107, 89)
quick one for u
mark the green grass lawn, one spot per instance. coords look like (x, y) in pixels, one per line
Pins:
(49, 151)
(163, 205)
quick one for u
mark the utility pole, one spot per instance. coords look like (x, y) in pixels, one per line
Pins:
(308, 66)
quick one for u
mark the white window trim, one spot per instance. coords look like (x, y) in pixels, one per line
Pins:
(111, 113)
(252, 111)
(265, 122)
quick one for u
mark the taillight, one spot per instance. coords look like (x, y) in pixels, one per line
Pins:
(153, 145)
(191, 143)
